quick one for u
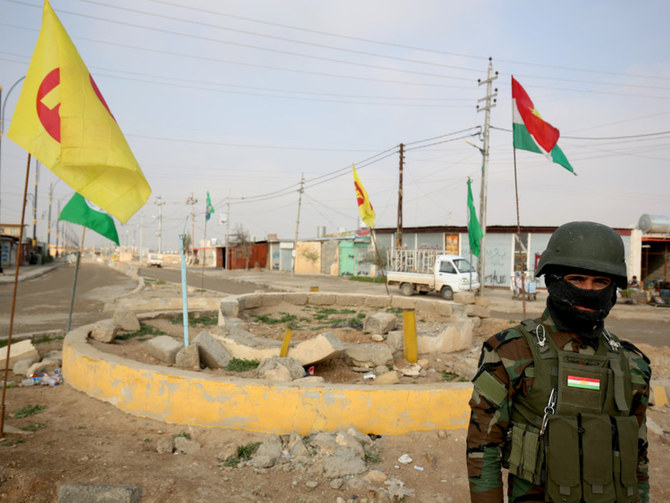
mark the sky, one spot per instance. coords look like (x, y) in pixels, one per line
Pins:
(244, 99)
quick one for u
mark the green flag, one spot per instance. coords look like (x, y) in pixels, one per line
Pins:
(209, 209)
(79, 211)
(474, 229)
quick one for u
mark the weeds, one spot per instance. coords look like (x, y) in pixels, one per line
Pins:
(239, 365)
(29, 410)
(144, 330)
(204, 320)
(182, 434)
(34, 427)
(244, 453)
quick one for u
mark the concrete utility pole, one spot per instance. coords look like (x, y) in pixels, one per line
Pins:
(192, 201)
(37, 181)
(398, 233)
(297, 224)
(489, 102)
(159, 202)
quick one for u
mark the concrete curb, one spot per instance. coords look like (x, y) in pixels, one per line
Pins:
(185, 397)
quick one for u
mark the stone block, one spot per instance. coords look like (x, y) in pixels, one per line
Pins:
(403, 302)
(272, 299)
(369, 355)
(395, 340)
(104, 331)
(482, 301)
(86, 493)
(351, 299)
(249, 301)
(445, 308)
(321, 299)
(297, 299)
(18, 351)
(211, 351)
(280, 369)
(388, 378)
(455, 337)
(380, 323)
(126, 320)
(316, 349)
(427, 305)
(464, 297)
(164, 348)
(479, 311)
(246, 346)
(188, 358)
(229, 306)
(379, 301)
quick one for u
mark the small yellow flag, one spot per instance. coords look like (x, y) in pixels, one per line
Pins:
(62, 119)
(364, 205)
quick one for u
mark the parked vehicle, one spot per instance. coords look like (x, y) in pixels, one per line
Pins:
(423, 273)
(154, 260)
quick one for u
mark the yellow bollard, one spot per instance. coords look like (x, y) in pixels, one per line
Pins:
(314, 289)
(284, 346)
(409, 329)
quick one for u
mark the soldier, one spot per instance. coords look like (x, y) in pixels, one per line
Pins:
(559, 401)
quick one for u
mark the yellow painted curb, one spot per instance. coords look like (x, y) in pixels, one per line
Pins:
(660, 395)
(186, 397)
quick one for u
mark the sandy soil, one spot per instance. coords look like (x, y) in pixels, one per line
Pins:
(78, 439)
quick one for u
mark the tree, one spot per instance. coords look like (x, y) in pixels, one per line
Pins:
(242, 244)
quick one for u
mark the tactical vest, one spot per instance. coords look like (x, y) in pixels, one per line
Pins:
(573, 432)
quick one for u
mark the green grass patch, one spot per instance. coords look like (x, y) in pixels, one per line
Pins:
(244, 453)
(240, 365)
(12, 443)
(449, 376)
(34, 427)
(182, 434)
(144, 330)
(205, 320)
(372, 458)
(46, 338)
(29, 410)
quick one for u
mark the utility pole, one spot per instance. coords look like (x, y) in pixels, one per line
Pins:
(58, 226)
(37, 180)
(489, 102)
(159, 202)
(227, 266)
(192, 201)
(398, 234)
(297, 224)
(51, 195)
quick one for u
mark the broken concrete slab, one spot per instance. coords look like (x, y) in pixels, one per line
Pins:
(229, 306)
(86, 493)
(126, 320)
(246, 346)
(455, 337)
(479, 311)
(188, 358)
(369, 354)
(104, 331)
(464, 297)
(211, 351)
(18, 351)
(280, 369)
(21, 366)
(163, 348)
(321, 299)
(319, 348)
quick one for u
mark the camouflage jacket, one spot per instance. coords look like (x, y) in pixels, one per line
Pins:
(506, 357)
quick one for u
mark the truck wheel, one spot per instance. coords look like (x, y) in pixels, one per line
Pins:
(407, 289)
(447, 293)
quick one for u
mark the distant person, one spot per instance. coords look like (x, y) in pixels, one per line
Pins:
(634, 283)
(559, 401)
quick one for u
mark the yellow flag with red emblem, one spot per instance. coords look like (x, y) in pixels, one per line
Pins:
(364, 205)
(62, 119)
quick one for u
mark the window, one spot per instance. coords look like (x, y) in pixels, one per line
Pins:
(447, 266)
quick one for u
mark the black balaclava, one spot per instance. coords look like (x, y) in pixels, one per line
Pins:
(563, 296)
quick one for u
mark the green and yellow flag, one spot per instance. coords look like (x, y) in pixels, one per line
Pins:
(79, 211)
(474, 229)
(62, 119)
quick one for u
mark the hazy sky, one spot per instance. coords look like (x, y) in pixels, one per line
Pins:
(239, 98)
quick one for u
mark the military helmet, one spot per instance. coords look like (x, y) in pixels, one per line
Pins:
(586, 245)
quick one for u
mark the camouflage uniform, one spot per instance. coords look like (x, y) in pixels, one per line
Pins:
(507, 357)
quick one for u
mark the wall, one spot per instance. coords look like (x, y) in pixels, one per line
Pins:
(304, 265)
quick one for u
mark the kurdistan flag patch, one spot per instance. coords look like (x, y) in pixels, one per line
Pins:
(583, 382)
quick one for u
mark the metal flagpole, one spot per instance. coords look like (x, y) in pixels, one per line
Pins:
(11, 317)
(518, 235)
(74, 281)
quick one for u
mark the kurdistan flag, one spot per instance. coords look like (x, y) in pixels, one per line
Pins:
(531, 132)
(79, 211)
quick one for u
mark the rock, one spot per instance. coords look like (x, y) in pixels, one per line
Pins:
(280, 369)
(377, 338)
(38, 368)
(22, 350)
(104, 331)
(395, 340)
(188, 358)
(54, 355)
(165, 445)
(21, 366)
(229, 451)
(455, 337)
(405, 459)
(322, 347)
(375, 477)
(126, 320)
(369, 355)
(229, 306)
(184, 445)
(464, 297)
(212, 353)
(83, 493)
(163, 348)
(380, 323)
(388, 378)
(268, 452)
(296, 446)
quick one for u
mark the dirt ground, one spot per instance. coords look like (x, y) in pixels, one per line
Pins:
(77, 439)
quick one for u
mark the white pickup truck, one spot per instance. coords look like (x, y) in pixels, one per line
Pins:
(450, 273)
(154, 260)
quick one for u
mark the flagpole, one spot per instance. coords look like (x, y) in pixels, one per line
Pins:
(74, 281)
(518, 235)
(379, 259)
(204, 245)
(11, 317)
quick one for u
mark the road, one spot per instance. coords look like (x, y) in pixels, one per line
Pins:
(208, 280)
